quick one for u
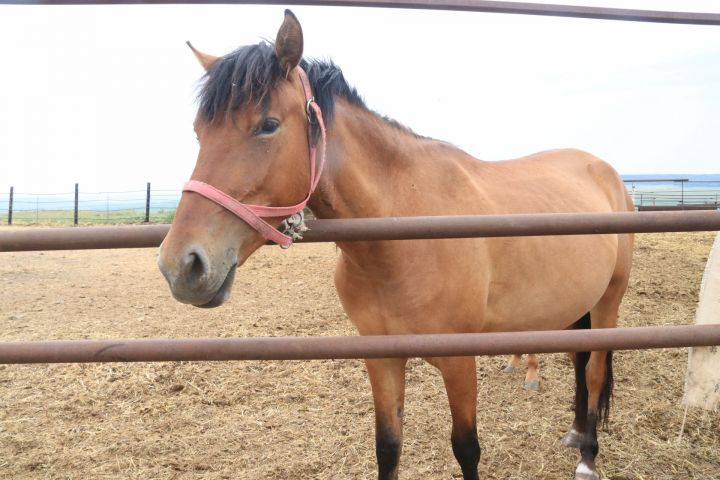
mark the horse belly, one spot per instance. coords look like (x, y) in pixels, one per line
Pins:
(476, 285)
(426, 288)
(547, 283)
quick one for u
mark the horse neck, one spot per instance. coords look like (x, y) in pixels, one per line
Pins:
(364, 155)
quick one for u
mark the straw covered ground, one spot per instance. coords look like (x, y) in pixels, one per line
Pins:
(312, 420)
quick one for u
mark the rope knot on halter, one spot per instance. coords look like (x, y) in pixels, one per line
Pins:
(293, 227)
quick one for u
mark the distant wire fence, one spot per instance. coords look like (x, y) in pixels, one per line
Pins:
(84, 208)
(684, 195)
(158, 206)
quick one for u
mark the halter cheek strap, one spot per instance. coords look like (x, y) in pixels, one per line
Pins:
(251, 214)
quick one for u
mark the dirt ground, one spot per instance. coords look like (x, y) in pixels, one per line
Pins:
(312, 420)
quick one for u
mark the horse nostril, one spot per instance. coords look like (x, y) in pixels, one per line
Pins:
(195, 267)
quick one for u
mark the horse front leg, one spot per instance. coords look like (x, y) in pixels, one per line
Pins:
(387, 378)
(460, 378)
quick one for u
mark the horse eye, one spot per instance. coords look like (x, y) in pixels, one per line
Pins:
(268, 126)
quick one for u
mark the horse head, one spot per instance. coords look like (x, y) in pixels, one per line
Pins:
(255, 127)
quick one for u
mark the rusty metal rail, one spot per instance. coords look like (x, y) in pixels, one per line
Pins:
(517, 8)
(389, 228)
(386, 346)
(685, 207)
(81, 238)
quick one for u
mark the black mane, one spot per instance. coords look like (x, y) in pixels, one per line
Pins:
(250, 73)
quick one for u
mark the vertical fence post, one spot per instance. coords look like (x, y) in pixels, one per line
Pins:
(10, 205)
(147, 204)
(75, 216)
(682, 194)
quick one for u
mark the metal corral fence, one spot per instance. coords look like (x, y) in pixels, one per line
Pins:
(517, 8)
(387, 229)
(84, 208)
(383, 346)
(654, 194)
(370, 347)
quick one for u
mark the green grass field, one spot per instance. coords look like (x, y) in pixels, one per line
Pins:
(86, 217)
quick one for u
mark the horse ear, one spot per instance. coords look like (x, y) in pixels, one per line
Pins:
(289, 43)
(207, 61)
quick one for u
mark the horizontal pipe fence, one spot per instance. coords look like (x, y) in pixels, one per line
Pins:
(517, 8)
(387, 228)
(382, 346)
(669, 208)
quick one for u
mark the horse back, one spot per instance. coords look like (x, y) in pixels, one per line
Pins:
(555, 181)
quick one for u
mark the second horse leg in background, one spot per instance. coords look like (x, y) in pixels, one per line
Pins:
(532, 380)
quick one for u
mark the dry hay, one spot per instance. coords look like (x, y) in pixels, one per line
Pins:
(311, 420)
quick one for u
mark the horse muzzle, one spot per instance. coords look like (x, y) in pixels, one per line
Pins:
(194, 278)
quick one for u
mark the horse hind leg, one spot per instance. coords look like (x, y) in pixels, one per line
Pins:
(387, 379)
(599, 383)
(532, 378)
(594, 382)
(593, 391)
(513, 364)
(573, 437)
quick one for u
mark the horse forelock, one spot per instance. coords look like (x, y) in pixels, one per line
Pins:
(244, 76)
(249, 74)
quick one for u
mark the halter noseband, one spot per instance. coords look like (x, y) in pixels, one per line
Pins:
(252, 214)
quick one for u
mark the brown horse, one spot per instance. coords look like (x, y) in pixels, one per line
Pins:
(255, 125)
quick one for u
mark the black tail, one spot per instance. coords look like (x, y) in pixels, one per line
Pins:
(607, 392)
(581, 393)
(583, 324)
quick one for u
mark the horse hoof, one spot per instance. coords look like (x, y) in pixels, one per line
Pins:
(533, 385)
(509, 369)
(572, 439)
(584, 472)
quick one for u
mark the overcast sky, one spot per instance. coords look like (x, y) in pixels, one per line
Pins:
(105, 95)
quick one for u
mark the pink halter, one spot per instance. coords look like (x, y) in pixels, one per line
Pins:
(252, 214)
